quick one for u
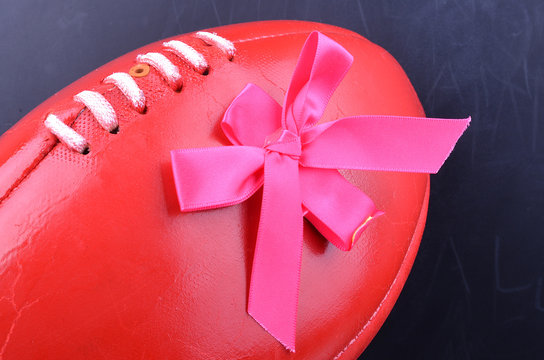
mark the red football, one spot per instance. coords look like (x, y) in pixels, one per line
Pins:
(98, 261)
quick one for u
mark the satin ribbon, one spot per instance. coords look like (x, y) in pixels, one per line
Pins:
(296, 161)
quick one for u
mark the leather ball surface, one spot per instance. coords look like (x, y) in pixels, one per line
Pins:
(97, 261)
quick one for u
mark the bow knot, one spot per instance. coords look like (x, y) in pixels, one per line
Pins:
(215, 177)
(284, 142)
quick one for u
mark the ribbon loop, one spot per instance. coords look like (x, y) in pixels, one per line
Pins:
(296, 162)
(251, 117)
(322, 64)
(195, 174)
(341, 212)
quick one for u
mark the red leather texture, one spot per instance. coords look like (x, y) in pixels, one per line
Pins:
(97, 260)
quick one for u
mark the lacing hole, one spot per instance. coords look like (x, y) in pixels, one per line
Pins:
(206, 72)
(86, 151)
(115, 131)
(139, 70)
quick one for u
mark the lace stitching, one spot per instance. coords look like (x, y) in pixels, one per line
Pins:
(103, 111)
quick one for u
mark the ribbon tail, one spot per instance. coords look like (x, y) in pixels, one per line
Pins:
(341, 212)
(380, 142)
(275, 275)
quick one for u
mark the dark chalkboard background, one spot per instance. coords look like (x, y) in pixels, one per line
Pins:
(477, 287)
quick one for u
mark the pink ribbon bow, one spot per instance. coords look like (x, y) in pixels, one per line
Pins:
(296, 161)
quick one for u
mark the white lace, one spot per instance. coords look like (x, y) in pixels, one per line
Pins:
(129, 88)
(164, 66)
(213, 39)
(187, 53)
(68, 135)
(102, 109)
